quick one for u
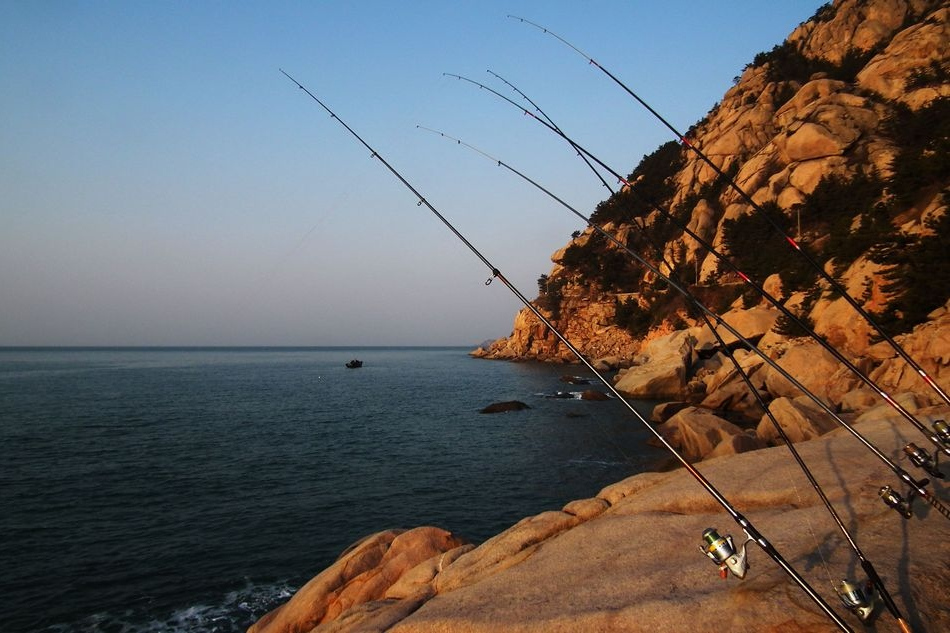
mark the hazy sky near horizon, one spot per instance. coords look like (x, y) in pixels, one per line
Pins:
(164, 184)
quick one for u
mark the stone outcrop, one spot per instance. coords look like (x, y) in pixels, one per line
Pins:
(661, 370)
(806, 361)
(390, 564)
(800, 419)
(751, 324)
(698, 433)
(928, 345)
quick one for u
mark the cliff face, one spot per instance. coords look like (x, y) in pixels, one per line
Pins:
(821, 110)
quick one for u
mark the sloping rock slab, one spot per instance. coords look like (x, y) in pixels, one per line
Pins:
(637, 567)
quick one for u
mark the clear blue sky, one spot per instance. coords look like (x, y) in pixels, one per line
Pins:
(163, 184)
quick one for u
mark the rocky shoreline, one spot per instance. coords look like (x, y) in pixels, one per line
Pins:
(628, 559)
(711, 411)
(623, 560)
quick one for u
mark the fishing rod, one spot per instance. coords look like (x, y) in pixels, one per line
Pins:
(718, 546)
(940, 437)
(858, 600)
(834, 283)
(890, 496)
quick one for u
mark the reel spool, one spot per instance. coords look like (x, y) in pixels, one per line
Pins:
(894, 500)
(942, 429)
(861, 601)
(922, 459)
(722, 551)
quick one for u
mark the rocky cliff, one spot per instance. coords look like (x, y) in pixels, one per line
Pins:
(837, 132)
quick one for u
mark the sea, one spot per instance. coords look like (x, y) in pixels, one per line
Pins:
(195, 489)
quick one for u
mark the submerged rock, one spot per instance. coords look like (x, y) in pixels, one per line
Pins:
(502, 407)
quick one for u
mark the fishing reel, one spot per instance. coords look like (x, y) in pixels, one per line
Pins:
(861, 601)
(722, 551)
(922, 459)
(894, 500)
(942, 429)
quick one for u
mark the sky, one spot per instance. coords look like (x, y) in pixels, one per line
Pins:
(162, 183)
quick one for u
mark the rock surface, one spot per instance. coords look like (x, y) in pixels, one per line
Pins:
(362, 574)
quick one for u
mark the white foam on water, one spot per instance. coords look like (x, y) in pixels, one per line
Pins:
(236, 611)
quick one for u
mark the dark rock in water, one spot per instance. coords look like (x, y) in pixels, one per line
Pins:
(575, 380)
(502, 407)
(354, 364)
(593, 394)
(564, 395)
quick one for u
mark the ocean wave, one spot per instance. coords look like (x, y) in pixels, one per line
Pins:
(234, 613)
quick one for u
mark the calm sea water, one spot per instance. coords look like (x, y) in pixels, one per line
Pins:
(195, 489)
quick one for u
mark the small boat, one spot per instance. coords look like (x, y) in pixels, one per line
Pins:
(354, 364)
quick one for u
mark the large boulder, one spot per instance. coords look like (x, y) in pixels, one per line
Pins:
(666, 410)
(733, 394)
(696, 432)
(662, 369)
(859, 399)
(751, 324)
(928, 345)
(801, 419)
(726, 389)
(808, 363)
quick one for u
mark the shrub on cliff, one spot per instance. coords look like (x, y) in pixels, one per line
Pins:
(631, 317)
(923, 161)
(652, 183)
(833, 206)
(756, 248)
(785, 62)
(918, 277)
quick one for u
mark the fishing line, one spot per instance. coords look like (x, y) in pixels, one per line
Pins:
(934, 437)
(868, 567)
(742, 521)
(551, 121)
(835, 284)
